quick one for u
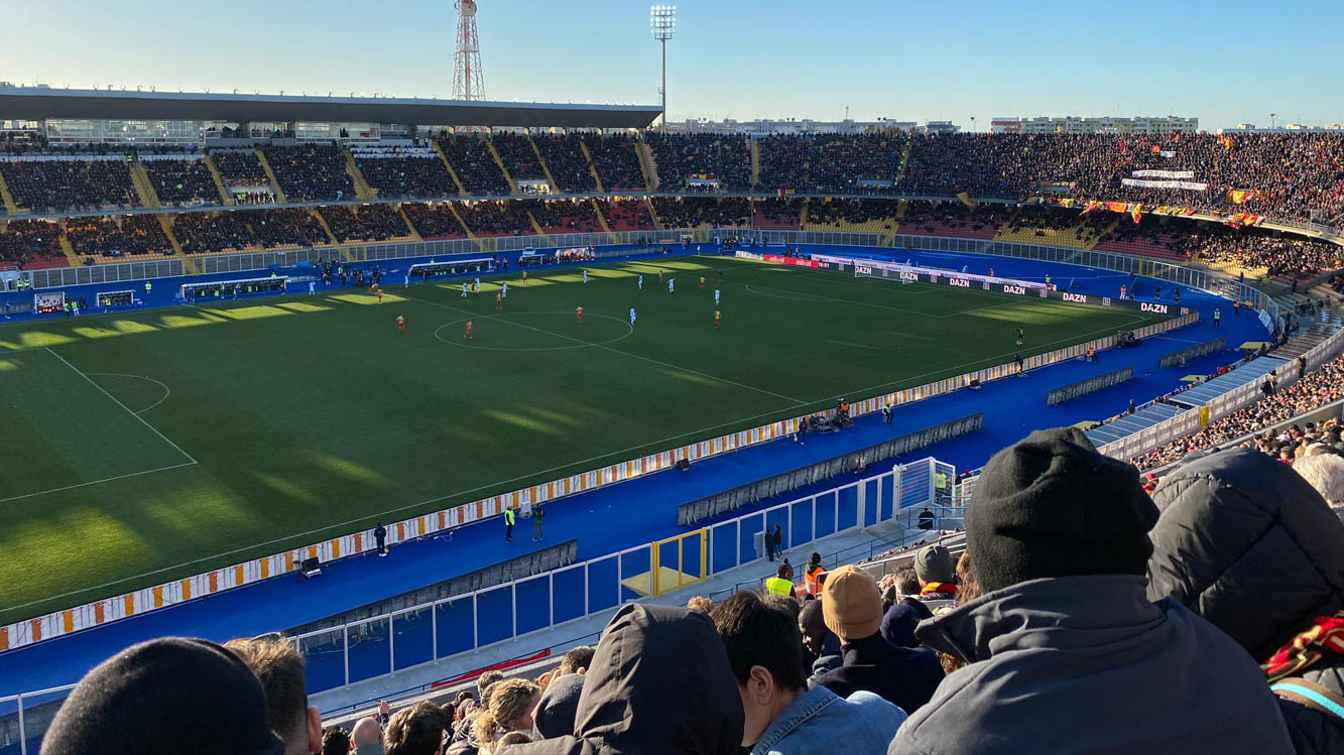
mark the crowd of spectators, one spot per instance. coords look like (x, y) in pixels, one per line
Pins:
(240, 167)
(28, 241)
(370, 222)
(60, 184)
(434, 221)
(954, 218)
(693, 212)
(496, 218)
(1276, 405)
(115, 237)
(1081, 596)
(852, 211)
(682, 157)
(515, 150)
(182, 182)
(777, 213)
(204, 232)
(563, 215)
(816, 163)
(284, 226)
(407, 175)
(617, 162)
(564, 156)
(311, 171)
(626, 214)
(1279, 255)
(473, 164)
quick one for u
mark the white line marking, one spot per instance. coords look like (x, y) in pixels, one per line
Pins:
(855, 345)
(98, 482)
(166, 390)
(117, 401)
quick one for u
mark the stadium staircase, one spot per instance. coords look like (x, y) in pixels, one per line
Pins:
(499, 162)
(461, 188)
(219, 180)
(545, 169)
(143, 186)
(653, 213)
(10, 206)
(889, 238)
(362, 189)
(1067, 237)
(648, 165)
(415, 232)
(905, 160)
(884, 227)
(465, 228)
(279, 193)
(535, 225)
(166, 223)
(69, 249)
(592, 168)
(755, 163)
(601, 219)
(325, 228)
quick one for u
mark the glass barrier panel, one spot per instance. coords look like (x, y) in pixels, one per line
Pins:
(414, 632)
(324, 659)
(568, 594)
(534, 603)
(370, 649)
(604, 589)
(723, 546)
(494, 615)
(456, 633)
(800, 520)
(636, 574)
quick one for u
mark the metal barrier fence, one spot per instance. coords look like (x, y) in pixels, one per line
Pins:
(421, 634)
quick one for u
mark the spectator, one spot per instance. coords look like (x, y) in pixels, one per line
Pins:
(852, 608)
(1324, 471)
(335, 742)
(508, 708)
(367, 737)
(700, 604)
(417, 730)
(558, 705)
(936, 572)
(660, 684)
(1058, 539)
(1250, 546)
(163, 696)
(821, 648)
(311, 171)
(812, 574)
(782, 715)
(577, 660)
(780, 584)
(280, 669)
(899, 621)
(474, 165)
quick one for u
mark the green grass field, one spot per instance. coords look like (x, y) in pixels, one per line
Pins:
(148, 446)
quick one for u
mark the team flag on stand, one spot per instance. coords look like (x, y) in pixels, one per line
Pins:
(1136, 212)
(1241, 196)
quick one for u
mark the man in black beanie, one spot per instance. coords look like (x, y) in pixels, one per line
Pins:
(165, 696)
(1064, 652)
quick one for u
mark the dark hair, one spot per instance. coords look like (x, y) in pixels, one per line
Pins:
(907, 582)
(816, 559)
(415, 731)
(783, 571)
(335, 742)
(484, 681)
(577, 658)
(763, 633)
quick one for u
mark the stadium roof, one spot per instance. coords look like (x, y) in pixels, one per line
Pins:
(40, 103)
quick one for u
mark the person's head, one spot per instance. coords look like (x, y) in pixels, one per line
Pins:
(851, 604)
(1249, 545)
(367, 736)
(483, 683)
(700, 604)
(280, 669)
(417, 730)
(335, 741)
(161, 696)
(933, 563)
(1324, 471)
(812, 626)
(576, 661)
(554, 715)
(1050, 505)
(510, 709)
(814, 561)
(783, 571)
(765, 650)
(907, 582)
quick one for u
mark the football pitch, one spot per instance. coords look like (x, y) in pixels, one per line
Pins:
(151, 445)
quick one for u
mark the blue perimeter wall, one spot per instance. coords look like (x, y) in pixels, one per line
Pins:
(1012, 408)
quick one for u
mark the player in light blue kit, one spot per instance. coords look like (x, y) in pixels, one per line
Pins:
(632, 317)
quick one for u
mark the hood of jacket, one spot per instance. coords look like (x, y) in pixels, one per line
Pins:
(1249, 545)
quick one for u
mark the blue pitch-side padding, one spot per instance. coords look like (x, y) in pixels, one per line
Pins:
(1252, 371)
(455, 626)
(414, 633)
(603, 591)
(534, 604)
(494, 615)
(569, 594)
(1125, 426)
(370, 650)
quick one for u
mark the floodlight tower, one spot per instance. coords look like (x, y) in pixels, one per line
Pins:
(468, 75)
(663, 22)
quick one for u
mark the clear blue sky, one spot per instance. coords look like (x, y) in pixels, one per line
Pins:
(1224, 62)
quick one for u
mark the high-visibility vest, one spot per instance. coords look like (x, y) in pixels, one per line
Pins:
(509, 517)
(939, 480)
(813, 579)
(779, 586)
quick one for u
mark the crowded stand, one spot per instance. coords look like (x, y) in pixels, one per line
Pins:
(434, 221)
(285, 226)
(370, 222)
(563, 215)
(181, 181)
(311, 171)
(954, 219)
(204, 232)
(701, 162)
(617, 161)
(473, 164)
(1277, 404)
(240, 167)
(626, 214)
(518, 156)
(1249, 250)
(564, 156)
(694, 212)
(842, 213)
(398, 172)
(496, 218)
(818, 163)
(777, 214)
(31, 243)
(115, 237)
(63, 184)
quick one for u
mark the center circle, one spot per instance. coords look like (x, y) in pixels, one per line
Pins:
(491, 322)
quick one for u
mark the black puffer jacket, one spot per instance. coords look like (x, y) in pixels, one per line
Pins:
(1249, 545)
(659, 684)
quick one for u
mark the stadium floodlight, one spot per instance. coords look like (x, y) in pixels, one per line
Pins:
(663, 23)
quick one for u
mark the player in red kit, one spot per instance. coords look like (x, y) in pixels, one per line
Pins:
(718, 319)
(578, 312)
(401, 323)
(499, 302)
(467, 330)
(378, 291)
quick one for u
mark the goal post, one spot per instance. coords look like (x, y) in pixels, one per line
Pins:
(233, 289)
(115, 299)
(425, 270)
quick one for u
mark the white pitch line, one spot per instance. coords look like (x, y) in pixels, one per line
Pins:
(855, 345)
(117, 401)
(98, 482)
(166, 390)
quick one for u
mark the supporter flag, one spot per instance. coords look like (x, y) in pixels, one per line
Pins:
(966, 199)
(1226, 141)
(1240, 196)
(1136, 212)
(1091, 206)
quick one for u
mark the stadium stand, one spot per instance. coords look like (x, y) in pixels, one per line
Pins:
(683, 159)
(239, 167)
(205, 232)
(116, 237)
(567, 163)
(518, 156)
(954, 219)
(31, 244)
(563, 215)
(434, 221)
(43, 184)
(626, 214)
(696, 212)
(853, 215)
(287, 226)
(311, 171)
(474, 166)
(617, 162)
(181, 182)
(831, 162)
(778, 214)
(404, 172)
(495, 218)
(370, 222)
